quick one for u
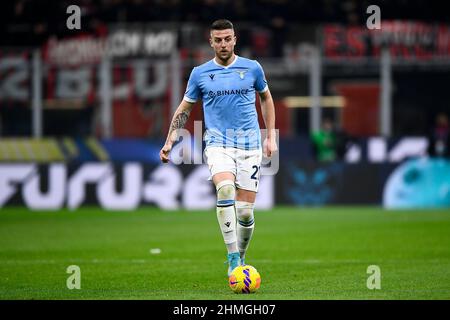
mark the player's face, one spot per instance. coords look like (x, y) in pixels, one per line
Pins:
(223, 42)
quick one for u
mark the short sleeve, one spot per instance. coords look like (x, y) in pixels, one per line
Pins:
(260, 79)
(192, 93)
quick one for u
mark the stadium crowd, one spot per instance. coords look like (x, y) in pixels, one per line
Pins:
(31, 22)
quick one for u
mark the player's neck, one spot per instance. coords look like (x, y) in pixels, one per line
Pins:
(225, 63)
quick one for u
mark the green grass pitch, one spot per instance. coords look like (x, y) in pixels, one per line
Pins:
(300, 253)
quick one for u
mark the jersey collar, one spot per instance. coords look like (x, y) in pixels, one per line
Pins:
(225, 67)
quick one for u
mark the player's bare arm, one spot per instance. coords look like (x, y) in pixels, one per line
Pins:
(179, 119)
(268, 113)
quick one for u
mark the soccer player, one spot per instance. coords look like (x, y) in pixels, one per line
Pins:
(227, 85)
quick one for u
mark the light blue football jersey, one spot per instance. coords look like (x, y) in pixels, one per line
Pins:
(228, 95)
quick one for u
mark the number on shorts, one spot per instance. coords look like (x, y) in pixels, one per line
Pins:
(254, 173)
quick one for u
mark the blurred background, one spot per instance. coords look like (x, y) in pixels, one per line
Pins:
(362, 113)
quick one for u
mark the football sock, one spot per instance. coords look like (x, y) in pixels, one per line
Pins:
(226, 214)
(245, 225)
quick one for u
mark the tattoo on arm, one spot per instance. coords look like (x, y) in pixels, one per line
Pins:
(179, 121)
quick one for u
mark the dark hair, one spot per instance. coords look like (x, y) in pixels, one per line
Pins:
(221, 24)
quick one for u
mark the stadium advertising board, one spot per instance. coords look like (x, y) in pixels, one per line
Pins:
(114, 186)
(405, 40)
(119, 42)
(420, 182)
(130, 185)
(334, 183)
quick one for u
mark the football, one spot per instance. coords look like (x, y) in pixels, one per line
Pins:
(244, 279)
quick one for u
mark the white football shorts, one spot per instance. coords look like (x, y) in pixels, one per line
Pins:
(244, 164)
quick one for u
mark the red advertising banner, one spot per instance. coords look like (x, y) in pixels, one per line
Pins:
(405, 39)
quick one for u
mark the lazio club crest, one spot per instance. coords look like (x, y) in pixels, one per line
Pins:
(241, 73)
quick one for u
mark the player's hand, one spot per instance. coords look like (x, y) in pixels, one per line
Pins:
(164, 153)
(269, 147)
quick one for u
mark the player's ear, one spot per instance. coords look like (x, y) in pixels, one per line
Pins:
(211, 42)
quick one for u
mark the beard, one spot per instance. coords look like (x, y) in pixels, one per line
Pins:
(224, 55)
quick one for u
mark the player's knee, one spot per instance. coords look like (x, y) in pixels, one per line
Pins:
(244, 212)
(226, 192)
